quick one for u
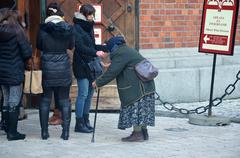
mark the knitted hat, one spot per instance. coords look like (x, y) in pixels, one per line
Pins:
(117, 40)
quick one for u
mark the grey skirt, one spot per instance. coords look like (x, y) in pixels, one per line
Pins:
(142, 112)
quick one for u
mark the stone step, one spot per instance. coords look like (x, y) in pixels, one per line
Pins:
(188, 58)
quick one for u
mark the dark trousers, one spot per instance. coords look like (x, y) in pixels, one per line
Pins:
(63, 100)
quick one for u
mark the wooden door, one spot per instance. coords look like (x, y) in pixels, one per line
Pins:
(118, 17)
(29, 13)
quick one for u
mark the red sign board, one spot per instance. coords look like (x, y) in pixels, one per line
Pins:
(218, 29)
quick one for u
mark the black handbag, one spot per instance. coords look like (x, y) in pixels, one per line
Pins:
(95, 68)
(145, 70)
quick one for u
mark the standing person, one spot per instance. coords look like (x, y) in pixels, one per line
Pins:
(137, 97)
(85, 51)
(14, 51)
(54, 38)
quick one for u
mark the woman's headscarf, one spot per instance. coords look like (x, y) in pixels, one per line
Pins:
(114, 42)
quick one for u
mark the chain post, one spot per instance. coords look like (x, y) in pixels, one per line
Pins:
(199, 110)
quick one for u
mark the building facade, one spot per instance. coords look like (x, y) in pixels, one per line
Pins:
(165, 31)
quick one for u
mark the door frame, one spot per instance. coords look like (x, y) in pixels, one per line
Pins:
(43, 9)
(137, 24)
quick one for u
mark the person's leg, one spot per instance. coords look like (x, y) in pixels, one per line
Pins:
(22, 113)
(145, 132)
(5, 107)
(15, 93)
(56, 119)
(87, 106)
(44, 111)
(64, 102)
(1, 108)
(139, 115)
(136, 136)
(83, 86)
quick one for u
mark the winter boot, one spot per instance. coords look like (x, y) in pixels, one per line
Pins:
(22, 113)
(134, 137)
(56, 118)
(80, 126)
(87, 122)
(43, 115)
(4, 120)
(66, 117)
(1, 123)
(145, 133)
(12, 125)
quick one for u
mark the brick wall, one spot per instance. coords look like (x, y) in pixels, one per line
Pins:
(172, 23)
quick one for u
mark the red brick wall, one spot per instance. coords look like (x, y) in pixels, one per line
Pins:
(172, 23)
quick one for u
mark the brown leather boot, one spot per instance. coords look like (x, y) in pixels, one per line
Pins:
(134, 137)
(56, 118)
(22, 114)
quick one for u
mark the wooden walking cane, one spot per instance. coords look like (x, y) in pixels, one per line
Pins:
(95, 117)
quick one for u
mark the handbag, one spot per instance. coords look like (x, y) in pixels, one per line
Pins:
(33, 81)
(95, 68)
(145, 70)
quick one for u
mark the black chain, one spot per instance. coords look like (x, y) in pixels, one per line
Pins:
(228, 91)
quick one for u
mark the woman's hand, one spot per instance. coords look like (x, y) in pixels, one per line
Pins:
(94, 85)
(101, 54)
(29, 64)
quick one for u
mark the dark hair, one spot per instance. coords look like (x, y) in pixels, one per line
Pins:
(54, 9)
(11, 18)
(87, 9)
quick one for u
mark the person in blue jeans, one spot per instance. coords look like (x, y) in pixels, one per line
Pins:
(85, 51)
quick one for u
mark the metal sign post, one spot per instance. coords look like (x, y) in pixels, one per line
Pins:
(212, 85)
(218, 29)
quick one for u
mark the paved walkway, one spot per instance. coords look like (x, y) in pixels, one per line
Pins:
(170, 138)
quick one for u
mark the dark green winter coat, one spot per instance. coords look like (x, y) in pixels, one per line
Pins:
(130, 87)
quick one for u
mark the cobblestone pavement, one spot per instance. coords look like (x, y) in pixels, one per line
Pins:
(170, 138)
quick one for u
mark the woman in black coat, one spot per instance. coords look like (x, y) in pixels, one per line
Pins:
(85, 51)
(54, 38)
(15, 50)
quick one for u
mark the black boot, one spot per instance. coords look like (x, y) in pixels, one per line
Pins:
(1, 123)
(66, 117)
(22, 114)
(145, 133)
(87, 122)
(43, 115)
(4, 119)
(80, 126)
(12, 125)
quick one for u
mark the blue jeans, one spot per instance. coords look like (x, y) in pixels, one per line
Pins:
(84, 98)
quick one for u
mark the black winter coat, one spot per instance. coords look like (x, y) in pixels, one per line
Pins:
(14, 51)
(85, 47)
(53, 40)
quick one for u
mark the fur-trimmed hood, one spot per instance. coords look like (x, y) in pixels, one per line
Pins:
(57, 27)
(81, 20)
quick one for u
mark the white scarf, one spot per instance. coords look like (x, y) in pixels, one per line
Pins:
(54, 19)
